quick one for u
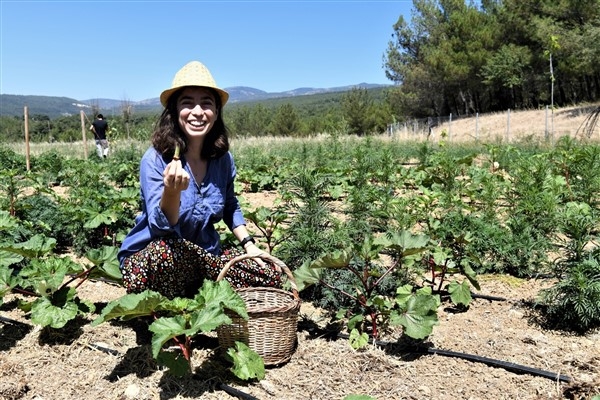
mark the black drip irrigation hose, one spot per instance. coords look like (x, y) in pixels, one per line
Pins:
(509, 366)
(13, 322)
(237, 393)
(487, 297)
(502, 364)
(478, 296)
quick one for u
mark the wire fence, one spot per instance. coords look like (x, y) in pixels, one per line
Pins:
(508, 126)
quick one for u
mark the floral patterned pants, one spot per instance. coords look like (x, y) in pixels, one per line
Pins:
(176, 267)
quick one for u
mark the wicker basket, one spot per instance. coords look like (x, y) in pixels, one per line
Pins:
(271, 329)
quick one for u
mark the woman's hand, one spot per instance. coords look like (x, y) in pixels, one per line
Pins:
(252, 249)
(175, 177)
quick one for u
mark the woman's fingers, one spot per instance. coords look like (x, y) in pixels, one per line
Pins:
(253, 250)
(260, 262)
(175, 177)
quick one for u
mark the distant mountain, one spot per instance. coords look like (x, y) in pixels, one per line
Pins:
(242, 93)
(12, 105)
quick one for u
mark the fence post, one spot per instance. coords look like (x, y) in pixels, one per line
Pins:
(477, 127)
(26, 119)
(552, 121)
(546, 124)
(81, 115)
(508, 126)
(450, 128)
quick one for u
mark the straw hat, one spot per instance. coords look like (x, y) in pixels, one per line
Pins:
(193, 73)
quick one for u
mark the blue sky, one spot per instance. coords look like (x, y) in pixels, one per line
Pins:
(130, 50)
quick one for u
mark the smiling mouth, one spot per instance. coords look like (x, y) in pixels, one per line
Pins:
(197, 124)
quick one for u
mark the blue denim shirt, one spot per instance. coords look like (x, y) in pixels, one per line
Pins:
(203, 204)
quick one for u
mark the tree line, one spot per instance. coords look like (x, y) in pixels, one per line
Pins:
(457, 57)
(359, 111)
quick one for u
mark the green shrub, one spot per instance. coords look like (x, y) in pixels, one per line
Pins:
(573, 304)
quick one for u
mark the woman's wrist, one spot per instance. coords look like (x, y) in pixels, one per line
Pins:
(246, 241)
(251, 248)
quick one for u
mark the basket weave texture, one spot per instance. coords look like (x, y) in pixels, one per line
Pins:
(271, 329)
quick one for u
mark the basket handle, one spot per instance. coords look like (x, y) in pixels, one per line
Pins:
(267, 257)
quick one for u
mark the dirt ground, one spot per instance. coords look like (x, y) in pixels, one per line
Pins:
(114, 361)
(111, 361)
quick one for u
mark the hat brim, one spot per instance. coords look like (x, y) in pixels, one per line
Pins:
(165, 95)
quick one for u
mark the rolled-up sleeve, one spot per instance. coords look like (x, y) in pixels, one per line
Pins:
(151, 181)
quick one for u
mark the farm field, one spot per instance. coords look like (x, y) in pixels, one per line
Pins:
(523, 125)
(494, 245)
(34, 366)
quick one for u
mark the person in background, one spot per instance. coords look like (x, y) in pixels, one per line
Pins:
(100, 128)
(187, 186)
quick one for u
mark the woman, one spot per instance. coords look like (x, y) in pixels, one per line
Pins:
(174, 245)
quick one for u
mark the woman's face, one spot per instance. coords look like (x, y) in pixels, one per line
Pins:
(197, 110)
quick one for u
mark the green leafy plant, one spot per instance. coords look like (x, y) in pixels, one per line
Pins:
(247, 364)
(257, 170)
(573, 303)
(42, 214)
(48, 278)
(8, 281)
(102, 211)
(179, 319)
(43, 278)
(57, 302)
(443, 266)
(311, 228)
(412, 308)
(11, 183)
(452, 256)
(269, 221)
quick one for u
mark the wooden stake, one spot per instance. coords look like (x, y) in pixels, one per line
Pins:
(82, 117)
(26, 118)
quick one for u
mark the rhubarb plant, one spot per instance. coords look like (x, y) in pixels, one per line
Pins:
(179, 319)
(49, 282)
(57, 303)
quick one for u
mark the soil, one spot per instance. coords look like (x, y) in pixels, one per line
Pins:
(113, 360)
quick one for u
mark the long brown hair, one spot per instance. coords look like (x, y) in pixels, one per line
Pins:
(167, 133)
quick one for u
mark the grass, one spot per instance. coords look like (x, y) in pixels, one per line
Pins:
(74, 149)
(514, 126)
(526, 126)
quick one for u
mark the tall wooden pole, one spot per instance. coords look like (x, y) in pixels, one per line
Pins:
(508, 126)
(26, 118)
(82, 116)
